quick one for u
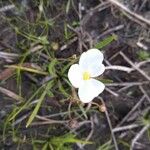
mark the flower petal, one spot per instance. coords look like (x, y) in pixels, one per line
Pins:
(97, 70)
(91, 61)
(90, 89)
(75, 75)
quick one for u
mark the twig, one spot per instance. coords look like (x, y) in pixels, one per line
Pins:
(143, 4)
(49, 122)
(92, 130)
(141, 45)
(124, 68)
(145, 93)
(110, 125)
(90, 13)
(134, 66)
(45, 79)
(32, 78)
(112, 92)
(35, 48)
(127, 83)
(89, 136)
(80, 124)
(80, 11)
(20, 119)
(132, 14)
(128, 127)
(138, 136)
(11, 94)
(6, 8)
(43, 118)
(143, 63)
(12, 55)
(132, 110)
(124, 88)
(120, 68)
(68, 44)
(109, 31)
(9, 57)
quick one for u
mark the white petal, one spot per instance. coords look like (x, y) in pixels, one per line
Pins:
(90, 89)
(96, 70)
(91, 61)
(75, 75)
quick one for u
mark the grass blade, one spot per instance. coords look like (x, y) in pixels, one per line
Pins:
(28, 69)
(36, 109)
(106, 41)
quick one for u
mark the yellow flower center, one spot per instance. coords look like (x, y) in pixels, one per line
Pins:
(86, 75)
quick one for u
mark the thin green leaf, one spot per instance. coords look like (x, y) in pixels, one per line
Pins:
(14, 114)
(83, 111)
(45, 147)
(51, 67)
(27, 69)
(68, 138)
(106, 146)
(124, 143)
(62, 89)
(106, 80)
(106, 41)
(68, 6)
(36, 109)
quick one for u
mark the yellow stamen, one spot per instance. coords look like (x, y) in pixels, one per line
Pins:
(86, 75)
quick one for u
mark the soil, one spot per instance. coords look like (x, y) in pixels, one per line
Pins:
(87, 25)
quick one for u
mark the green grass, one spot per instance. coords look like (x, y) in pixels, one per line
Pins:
(106, 146)
(58, 143)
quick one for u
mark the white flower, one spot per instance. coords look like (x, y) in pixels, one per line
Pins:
(82, 75)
